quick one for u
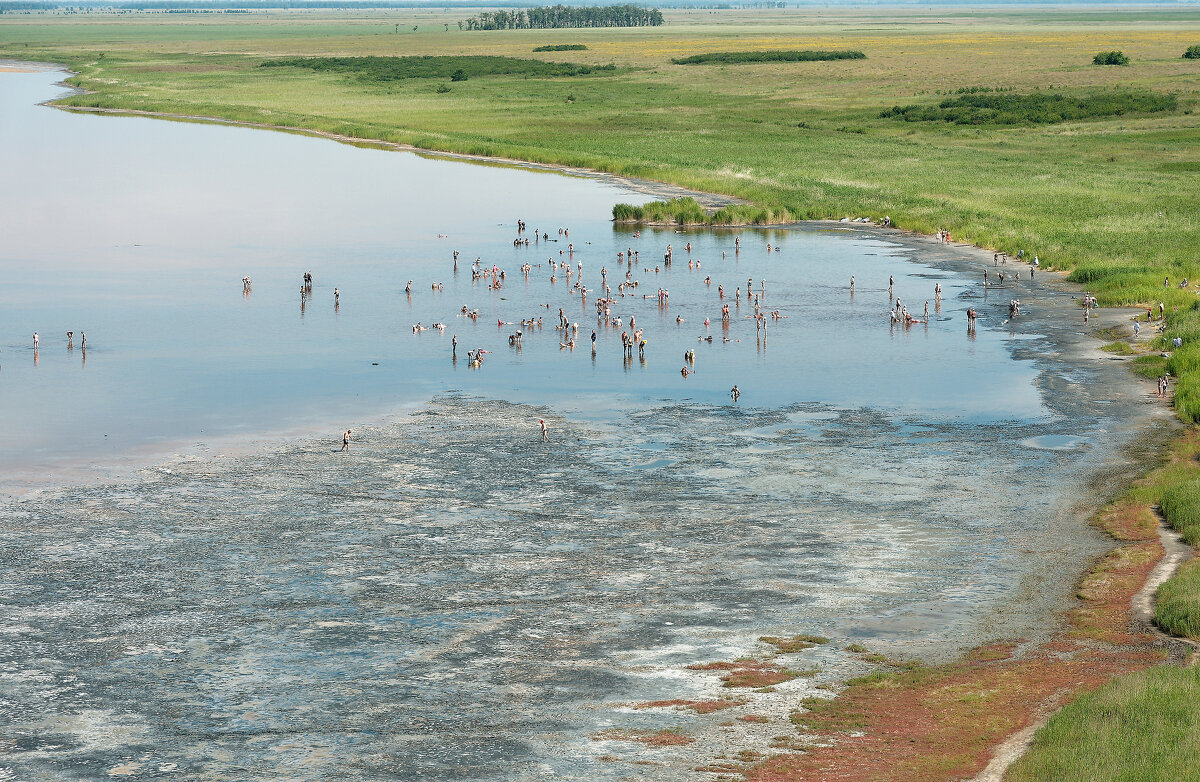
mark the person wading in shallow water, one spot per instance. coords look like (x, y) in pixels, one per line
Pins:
(545, 431)
(346, 440)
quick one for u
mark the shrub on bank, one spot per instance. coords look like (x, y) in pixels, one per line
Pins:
(1115, 57)
(561, 47)
(1192, 53)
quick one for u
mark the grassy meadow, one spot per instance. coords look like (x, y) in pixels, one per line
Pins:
(1103, 181)
(1139, 727)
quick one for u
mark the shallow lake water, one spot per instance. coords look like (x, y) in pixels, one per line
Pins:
(453, 598)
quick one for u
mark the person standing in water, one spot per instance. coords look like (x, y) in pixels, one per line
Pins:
(545, 431)
(346, 440)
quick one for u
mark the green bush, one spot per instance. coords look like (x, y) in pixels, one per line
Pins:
(1114, 57)
(805, 55)
(442, 89)
(1038, 108)
(459, 75)
(562, 47)
(1192, 53)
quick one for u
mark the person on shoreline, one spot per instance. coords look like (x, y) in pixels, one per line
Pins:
(545, 431)
(35, 340)
(346, 440)
(735, 393)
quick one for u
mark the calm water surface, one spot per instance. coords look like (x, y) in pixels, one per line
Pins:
(452, 599)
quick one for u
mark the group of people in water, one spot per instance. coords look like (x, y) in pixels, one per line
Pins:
(608, 301)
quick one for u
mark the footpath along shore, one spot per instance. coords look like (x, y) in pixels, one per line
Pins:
(976, 715)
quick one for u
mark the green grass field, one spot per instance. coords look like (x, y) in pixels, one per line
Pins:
(1106, 187)
(1139, 728)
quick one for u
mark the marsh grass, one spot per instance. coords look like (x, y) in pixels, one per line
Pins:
(1140, 727)
(1177, 609)
(687, 211)
(1181, 508)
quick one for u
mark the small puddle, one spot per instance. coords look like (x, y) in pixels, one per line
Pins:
(1056, 442)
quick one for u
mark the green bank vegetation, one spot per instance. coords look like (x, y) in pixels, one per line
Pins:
(688, 211)
(1114, 199)
(562, 47)
(1037, 108)
(1178, 608)
(1192, 52)
(790, 55)
(1139, 727)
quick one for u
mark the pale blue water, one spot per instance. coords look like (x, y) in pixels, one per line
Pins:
(453, 599)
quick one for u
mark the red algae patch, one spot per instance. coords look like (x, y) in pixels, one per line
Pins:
(943, 722)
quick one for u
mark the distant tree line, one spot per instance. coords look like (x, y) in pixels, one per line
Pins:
(561, 16)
